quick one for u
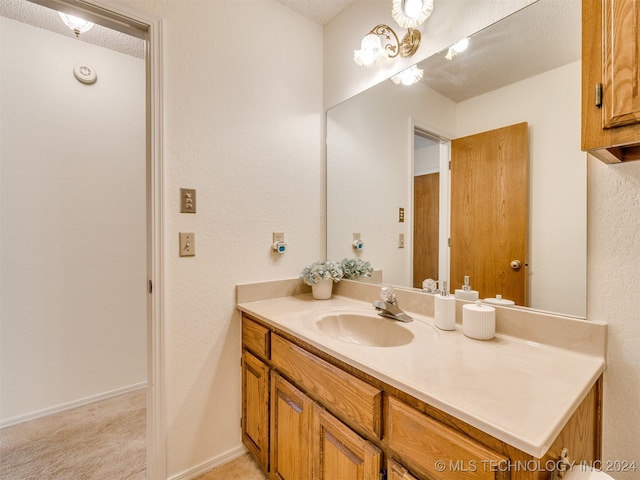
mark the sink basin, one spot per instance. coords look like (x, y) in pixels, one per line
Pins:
(361, 327)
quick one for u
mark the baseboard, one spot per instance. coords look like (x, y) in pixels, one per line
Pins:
(203, 468)
(70, 405)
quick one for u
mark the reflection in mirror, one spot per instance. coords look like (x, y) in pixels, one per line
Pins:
(523, 69)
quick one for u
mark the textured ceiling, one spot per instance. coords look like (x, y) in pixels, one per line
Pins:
(24, 11)
(319, 11)
(495, 55)
(48, 19)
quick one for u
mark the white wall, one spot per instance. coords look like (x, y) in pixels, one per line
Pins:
(243, 126)
(371, 175)
(557, 277)
(426, 160)
(614, 283)
(73, 302)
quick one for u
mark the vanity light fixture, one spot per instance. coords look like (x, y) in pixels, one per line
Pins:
(411, 13)
(373, 52)
(77, 25)
(408, 76)
(457, 48)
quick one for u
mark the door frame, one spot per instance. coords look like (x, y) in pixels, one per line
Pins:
(148, 27)
(445, 198)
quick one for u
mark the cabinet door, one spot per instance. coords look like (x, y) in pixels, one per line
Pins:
(621, 100)
(255, 408)
(395, 471)
(610, 59)
(291, 423)
(341, 454)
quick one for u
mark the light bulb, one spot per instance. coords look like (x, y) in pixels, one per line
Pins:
(461, 46)
(412, 8)
(457, 48)
(371, 51)
(408, 76)
(76, 24)
(411, 13)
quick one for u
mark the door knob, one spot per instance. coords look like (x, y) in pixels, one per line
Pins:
(516, 264)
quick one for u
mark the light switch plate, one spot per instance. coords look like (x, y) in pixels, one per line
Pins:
(187, 244)
(187, 200)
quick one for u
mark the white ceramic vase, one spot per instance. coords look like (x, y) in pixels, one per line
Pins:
(322, 289)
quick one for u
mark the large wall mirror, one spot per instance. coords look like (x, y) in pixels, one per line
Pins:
(389, 150)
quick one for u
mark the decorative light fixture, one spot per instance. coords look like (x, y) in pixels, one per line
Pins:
(408, 76)
(457, 48)
(411, 13)
(373, 52)
(76, 24)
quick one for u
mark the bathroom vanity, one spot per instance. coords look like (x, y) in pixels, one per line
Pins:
(429, 405)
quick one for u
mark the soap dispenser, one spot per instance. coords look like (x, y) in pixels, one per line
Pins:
(445, 309)
(465, 293)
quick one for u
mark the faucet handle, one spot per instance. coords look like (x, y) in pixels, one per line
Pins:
(388, 295)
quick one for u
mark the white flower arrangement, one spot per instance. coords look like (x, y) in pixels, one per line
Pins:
(354, 268)
(317, 271)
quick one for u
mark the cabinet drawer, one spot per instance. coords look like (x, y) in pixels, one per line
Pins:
(430, 447)
(256, 338)
(347, 397)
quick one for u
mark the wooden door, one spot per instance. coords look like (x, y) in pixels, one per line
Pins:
(395, 471)
(255, 408)
(426, 219)
(340, 453)
(291, 423)
(489, 211)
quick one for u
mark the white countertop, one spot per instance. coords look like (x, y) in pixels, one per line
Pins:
(521, 392)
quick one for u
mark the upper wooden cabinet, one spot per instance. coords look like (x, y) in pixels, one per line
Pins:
(611, 79)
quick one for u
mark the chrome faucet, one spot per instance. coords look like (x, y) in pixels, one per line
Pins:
(389, 310)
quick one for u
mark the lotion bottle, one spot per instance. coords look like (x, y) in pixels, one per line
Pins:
(445, 309)
(465, 293)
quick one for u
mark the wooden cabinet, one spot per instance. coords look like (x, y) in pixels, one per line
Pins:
(291, 432)
(307, 442)
(347, 397)
(255, 408)
(395, 471)
(611, 79)
(309, 416)
(341, 454)
(256, 338)
(438, 451)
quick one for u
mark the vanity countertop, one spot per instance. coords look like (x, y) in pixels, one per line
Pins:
(519, 391)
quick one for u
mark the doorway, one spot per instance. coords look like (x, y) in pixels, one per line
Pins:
(430, 255)
(149, 27)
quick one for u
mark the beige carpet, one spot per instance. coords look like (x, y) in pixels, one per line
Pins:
(242, 468)
(105, 440)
